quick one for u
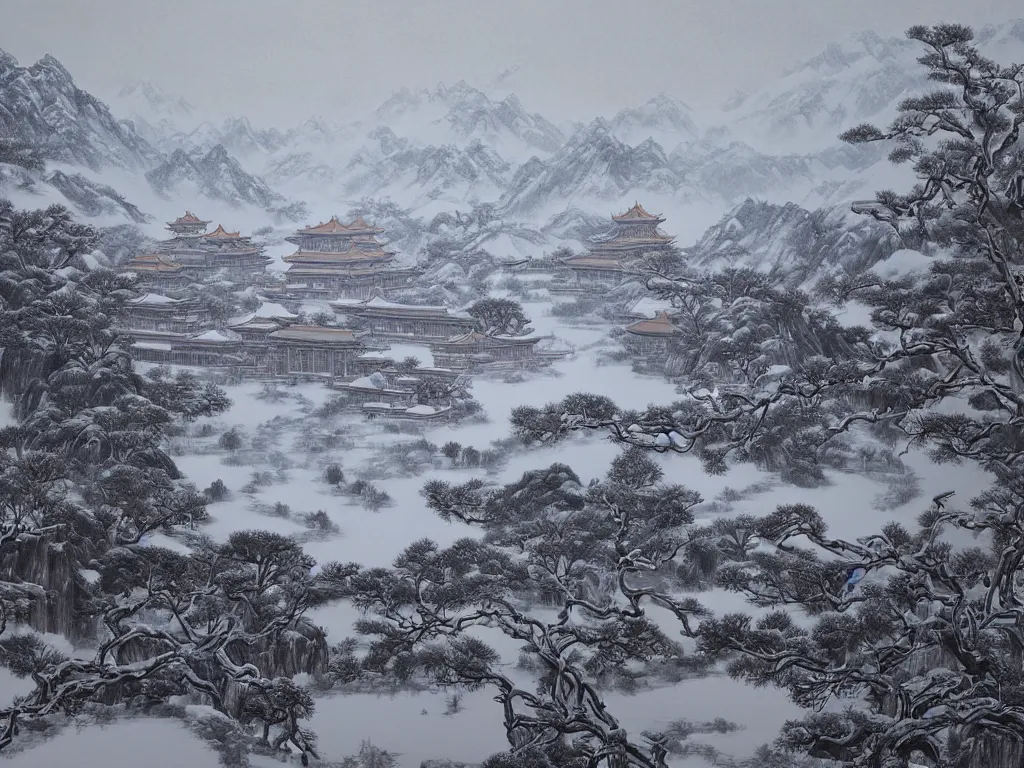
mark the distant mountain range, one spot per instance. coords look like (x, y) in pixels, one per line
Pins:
(456, 148)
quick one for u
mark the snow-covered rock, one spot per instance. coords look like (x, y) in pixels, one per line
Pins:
(794, 241)
(215, 174)
(41, 106)
(661, 118)
(592, 165)
(92, 199)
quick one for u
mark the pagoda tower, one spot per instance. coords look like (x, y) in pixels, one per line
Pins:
(220, 253)
(634, 234)
(186, 225)
(336, 260)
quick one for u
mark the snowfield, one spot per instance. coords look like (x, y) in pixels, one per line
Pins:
(375, 538)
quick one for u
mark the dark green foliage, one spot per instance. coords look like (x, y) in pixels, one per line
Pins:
(84, 478)
(500, 317)
(217, 491)
(231, 440)
(333, 475)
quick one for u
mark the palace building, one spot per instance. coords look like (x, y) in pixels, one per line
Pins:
(315, 351)
(173, 331)
(650, 339)
(157, 272)
(217, 254)
(390, 321)
(634, 234)
(209, 349)
(375, 388)
(475, 350)
(188, 225)
(336, 260)
(155, 313)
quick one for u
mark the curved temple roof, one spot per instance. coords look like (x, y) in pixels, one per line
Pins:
(636, 213)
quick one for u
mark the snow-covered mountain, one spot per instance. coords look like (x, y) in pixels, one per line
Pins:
(214, 174)
(575, 224)
(593, 165)
(236, 134)
(461, 113)
(93, 199)
(456, 147)
(150, 100)
(395, 165)
(664, 119)
(155, 113)
(860, 80)
(84, 155)
(40, 105)
(794, 241)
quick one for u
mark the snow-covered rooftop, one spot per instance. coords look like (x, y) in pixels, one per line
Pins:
(422, 410)
(215, 336)
(273, 309)
(373, 381)
(155, 299)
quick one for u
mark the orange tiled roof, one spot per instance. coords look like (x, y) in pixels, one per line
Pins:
(222, 234)
(591, 262)
(636, 213)
(189, 218)
(334, 227)
(659, 325)
(313, 333)
(351, 255)
(360, 224)
(152, 262)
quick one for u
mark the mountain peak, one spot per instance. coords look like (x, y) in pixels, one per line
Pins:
(43, 107)
(7, 61)
(52, 63)
(218, 153)
(214, 174)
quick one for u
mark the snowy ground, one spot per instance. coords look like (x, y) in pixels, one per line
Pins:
(414, 725)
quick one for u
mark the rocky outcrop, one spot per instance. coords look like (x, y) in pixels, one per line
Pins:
(40, 105)
(214, 174)
(92, 199)
(796, 243)
(53, 565)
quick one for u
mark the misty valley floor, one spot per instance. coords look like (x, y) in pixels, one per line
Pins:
(415, 725)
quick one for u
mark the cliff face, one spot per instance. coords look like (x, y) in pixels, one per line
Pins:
(40, 105)
(61, 608)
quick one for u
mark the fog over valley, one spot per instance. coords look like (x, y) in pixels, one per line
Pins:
(533, 385)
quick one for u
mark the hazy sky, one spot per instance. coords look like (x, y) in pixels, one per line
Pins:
(280, 61)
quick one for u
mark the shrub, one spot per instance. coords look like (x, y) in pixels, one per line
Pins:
(333, 475)
(230, 440)
(374, 499)
(319, 521)
(217, 491)
(257, 481)
(280, 509)
(470, 456)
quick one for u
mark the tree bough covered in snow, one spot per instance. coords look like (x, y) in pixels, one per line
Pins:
(84, 477)
(929, 643)
(931, 640)
(566, 570)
